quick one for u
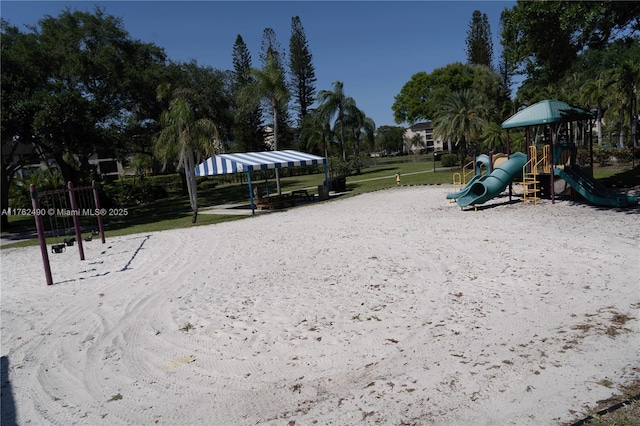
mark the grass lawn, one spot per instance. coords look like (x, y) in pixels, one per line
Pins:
(173, 211)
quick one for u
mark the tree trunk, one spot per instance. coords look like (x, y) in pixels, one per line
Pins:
(621, 136)
(274, 105)
(191, 182)
(6, 182)
(69, 173)
(599, 125)
(344, 148)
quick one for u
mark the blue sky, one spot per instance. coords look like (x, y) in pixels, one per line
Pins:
(373, 47)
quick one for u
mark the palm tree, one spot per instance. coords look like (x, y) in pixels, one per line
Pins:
(461, 119)
(357, 122)
(184, 137)
(315, 130)
(270, 86)
(335, 104)
(626, 81)
(493, 136)
(595, 91)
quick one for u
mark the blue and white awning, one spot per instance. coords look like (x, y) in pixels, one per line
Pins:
(248, 161)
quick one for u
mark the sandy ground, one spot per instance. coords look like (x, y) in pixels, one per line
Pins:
(394, 307)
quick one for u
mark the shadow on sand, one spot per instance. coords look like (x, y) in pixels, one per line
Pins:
(8, 407)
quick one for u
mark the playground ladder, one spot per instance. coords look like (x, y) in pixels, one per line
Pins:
(460, 179)
(530, 180)
(470, 165)
(457, 184)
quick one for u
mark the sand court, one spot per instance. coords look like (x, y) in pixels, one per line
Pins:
(393, 307)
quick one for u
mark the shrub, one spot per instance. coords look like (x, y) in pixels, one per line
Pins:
(171, 182)
(449, 160)
(208, 184)
(583, 158)
(127, 192)
(602, 156)
(623, 155)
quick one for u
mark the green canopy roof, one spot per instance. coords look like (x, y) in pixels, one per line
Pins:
(546, 112)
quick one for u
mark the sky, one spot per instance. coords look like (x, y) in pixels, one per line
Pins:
(372, 47)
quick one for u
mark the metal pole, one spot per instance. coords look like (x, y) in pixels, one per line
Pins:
(40, 230)
(96, 200)
(553, 189)
(253, 207)
(76, 219)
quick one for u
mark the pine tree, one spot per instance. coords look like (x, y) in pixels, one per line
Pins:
(303, 75)
(248, 127)
(271, 50)
(479, 42)
(270, 47)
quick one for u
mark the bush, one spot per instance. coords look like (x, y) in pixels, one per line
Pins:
(171, 182)
(582, 158)
(44, 180)
(207, 184)
(449, 160)
(602, 156)
(339, 168)
(127, 192)
(623, 155)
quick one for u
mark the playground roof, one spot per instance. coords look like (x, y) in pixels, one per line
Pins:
(546, 112)
(249, 161)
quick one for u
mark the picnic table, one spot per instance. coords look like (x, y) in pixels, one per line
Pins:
(275, 201)
(302, 194)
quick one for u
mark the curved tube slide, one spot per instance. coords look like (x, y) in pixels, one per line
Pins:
(481, 190)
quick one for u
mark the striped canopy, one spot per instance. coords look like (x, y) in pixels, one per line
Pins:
(248, 161)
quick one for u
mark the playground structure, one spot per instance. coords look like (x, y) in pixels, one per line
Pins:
(63, 206)
(539, 174)
(490, 179)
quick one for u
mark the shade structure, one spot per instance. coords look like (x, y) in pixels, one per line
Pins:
(250, 161)
(546, 112)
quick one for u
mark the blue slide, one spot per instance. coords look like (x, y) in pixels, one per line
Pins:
(482, 189)
(592, 190)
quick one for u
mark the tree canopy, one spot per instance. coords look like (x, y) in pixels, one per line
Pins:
(87, 79)
(421, 97)
(303, 75)
(479, 42)
(248, 132)
(543, 38)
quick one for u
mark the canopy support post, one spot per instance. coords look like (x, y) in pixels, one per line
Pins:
(253, 206)
(552, 162)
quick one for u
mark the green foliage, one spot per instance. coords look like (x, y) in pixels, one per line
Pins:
(334, 104)
(602, 156)
(303, 76)
(423, 96)
(479, 42)
(542, 39)
(461, 120)
(44, 180)
(623, 155)
(127, 192)
(449, 160)
(83, 78)
(248, 132)
(389, 138)
(172, 182)
(608, 156)
(339, 167)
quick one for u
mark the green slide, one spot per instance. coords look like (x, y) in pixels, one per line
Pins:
(592, 190)
(481, 190)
